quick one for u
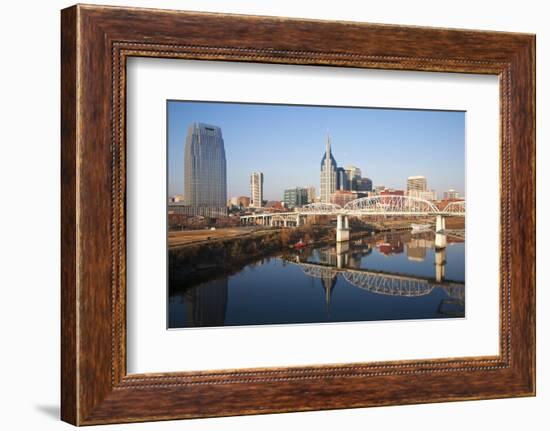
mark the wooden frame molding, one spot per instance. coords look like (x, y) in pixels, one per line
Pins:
(95, 43)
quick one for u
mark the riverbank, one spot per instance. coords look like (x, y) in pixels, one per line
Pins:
(197, 257)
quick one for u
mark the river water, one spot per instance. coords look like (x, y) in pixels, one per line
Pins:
(384, 277)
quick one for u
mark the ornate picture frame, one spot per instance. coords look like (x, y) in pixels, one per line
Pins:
(96, 41)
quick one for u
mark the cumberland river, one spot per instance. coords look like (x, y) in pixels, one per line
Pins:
(383, 277)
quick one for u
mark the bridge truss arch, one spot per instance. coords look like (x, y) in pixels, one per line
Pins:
(381, 205)
(391, 286)
(383, 284)
(318, 271)
(321, 208)
(455, 208)
(391, 205)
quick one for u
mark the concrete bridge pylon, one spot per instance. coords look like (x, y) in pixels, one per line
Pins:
(342, 228)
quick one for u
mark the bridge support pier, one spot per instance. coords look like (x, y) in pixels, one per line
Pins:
(440, 237)
(342, 253)
(342, 228)
(297, 220)
(440, 260)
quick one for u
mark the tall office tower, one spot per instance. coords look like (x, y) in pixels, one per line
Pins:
(205, 176)
(416, 185)
(328, 174)
(353, 171)
(256, 189)
(353, 174)
(341, 179)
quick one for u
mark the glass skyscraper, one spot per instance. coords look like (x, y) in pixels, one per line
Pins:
(205, 176)
(342, 182)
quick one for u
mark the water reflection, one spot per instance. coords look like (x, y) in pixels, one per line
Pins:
(416, 248)
(206, 306)
(384, 277)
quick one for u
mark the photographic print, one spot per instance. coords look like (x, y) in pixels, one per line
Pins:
(293, 214)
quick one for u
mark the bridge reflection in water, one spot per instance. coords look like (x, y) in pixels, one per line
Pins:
(339, 261)
(402, 277)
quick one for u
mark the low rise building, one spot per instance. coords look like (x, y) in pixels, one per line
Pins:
(296, 197)
(342, 197)
(428, 195)
(451, 194)
(311, 194)
(190, 210)
(239, 201)
(392, 192)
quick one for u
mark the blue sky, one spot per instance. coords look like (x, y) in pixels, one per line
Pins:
(287, 142)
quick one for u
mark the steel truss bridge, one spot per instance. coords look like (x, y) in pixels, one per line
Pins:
(382, 205)
(384, 283)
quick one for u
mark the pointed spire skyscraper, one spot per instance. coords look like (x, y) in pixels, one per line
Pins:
(328, 174)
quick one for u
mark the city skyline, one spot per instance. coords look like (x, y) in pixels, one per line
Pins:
(287, 142)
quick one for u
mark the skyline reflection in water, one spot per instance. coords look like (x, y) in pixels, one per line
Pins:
(393, 276)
